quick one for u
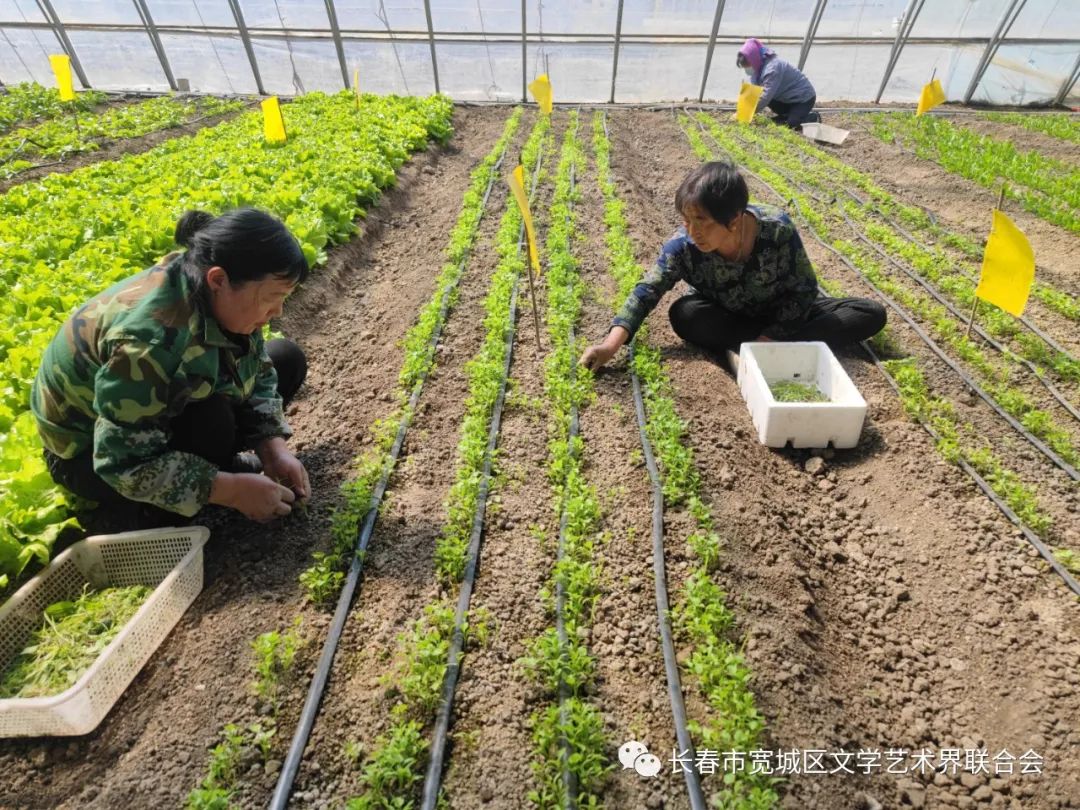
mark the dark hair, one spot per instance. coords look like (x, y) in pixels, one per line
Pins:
(248, 244)
(717, 188)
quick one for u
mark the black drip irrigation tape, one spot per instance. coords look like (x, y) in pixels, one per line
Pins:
(437, 752)
(570, 781)
(663, 610)
(289, 769)
(892, 223)
(1032, 439)
(961, 317)
(1032, 538)
(929, 288)
(671, 666)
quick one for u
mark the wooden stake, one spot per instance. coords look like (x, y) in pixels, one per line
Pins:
(536, 314)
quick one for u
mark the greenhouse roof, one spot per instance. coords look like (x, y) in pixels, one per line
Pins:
(1004, 52)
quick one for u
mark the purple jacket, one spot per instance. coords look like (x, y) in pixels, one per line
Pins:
(781, 80)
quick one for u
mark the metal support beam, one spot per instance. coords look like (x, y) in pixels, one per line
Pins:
(712, 46)
(1069, 83)
(245, 37)
(57, 27)
(1006, 22)
(811, 31)
(902, 34)
(524, 57)
(155, 40)
(335, 29)
(431, 43)
(618, 39)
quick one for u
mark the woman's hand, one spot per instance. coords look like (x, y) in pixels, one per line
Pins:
(283, 467)
(255, 496)
(596, 356)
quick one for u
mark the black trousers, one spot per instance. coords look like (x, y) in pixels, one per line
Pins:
(837, 321)
(792, 114)
(207, 428)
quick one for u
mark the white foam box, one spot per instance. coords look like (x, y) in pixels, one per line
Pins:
(804, 424)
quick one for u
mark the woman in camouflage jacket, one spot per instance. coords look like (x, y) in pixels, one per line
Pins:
(150, 389)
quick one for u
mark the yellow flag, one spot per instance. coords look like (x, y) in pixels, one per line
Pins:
(61, 65)
(541, 90)
(932, 95)
(1008, 266)
(748, 99)
(273, 123)
(517, 185)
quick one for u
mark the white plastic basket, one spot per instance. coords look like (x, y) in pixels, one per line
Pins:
(169, 560)
(803, 424)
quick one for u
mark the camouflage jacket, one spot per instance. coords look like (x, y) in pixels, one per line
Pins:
(775, 284)
(126, 363)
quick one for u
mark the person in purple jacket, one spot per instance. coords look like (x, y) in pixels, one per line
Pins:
(786, 90)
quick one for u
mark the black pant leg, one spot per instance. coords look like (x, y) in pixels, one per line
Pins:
(704, 323)
(798, 112)
(290, 364)
(840, 321)
(782, 110)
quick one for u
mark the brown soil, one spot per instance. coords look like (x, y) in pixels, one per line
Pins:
(884, 602)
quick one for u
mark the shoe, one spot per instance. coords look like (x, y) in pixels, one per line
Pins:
(245, 463)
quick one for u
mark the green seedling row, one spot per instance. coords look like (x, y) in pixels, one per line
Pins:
(1047, 188)
(73, 635)
(485, 374)
(883, 204)
(323, 579)
(943, 325)
(1058, 125)
(394, 771)
(930, 263)
(22, 148)
(28, 101)
(109, 220)
(701, 616)
(569, 733)
(274, 654)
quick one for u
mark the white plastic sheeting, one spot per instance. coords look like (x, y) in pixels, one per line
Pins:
(661, 50)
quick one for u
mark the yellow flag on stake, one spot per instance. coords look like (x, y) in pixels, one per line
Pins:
(517, 186)
(1008, 267)
(541, 90)
(748, 99)
(932, 95)
(61, 65)
(273, 122)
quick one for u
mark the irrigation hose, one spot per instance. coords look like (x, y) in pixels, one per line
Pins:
(1002, 349)
(1032, 538)
(437, 751)
(1033, 440)
(891, 222)
(671, 666)
(299, 741)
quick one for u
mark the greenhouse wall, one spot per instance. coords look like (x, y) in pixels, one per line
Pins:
(636, 51)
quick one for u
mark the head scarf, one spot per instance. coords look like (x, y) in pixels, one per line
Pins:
(756, 54)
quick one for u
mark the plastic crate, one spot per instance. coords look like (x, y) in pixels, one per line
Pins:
(169, 560)
(804, 424)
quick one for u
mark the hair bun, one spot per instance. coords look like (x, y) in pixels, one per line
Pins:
(190, 224)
